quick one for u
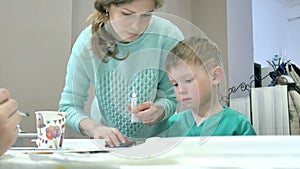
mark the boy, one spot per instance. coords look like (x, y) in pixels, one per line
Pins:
(195, 70)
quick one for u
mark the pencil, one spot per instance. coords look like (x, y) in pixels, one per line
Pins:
(25, 114)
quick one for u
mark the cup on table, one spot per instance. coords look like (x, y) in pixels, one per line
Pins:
(50, 129)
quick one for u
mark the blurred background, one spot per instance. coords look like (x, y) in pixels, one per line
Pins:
(37, 37)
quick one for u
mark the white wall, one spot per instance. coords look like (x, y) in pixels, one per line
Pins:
(274, 34)
(35, 43)
(293, 35)
(240, 44)
(180, 8)
(80, 11)
(229, 24)
(211, 18)
(269, 30)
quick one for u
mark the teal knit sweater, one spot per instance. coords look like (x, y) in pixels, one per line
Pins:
(143, 71)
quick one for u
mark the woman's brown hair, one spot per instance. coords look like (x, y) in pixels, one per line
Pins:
(104, 43)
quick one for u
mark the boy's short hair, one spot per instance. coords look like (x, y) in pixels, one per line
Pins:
(196, 50)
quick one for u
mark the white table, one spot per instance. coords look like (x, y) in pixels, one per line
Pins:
(212, 152)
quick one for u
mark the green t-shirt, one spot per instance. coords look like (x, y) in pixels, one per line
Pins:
(225, 123)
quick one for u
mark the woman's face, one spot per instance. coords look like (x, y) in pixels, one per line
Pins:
(129, 21)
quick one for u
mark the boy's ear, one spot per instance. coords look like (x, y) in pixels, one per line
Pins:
(217, 75)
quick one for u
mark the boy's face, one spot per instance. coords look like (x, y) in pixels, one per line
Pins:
(192, 85)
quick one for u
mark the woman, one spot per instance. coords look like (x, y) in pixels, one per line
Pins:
(121, 53)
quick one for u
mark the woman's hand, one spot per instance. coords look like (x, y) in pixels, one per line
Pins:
(148, 112)
(96, 130)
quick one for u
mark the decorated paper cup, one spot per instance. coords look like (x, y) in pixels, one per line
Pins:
(50, 129)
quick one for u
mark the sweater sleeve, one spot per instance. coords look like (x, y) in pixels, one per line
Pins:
(166, 96)
(77, 83)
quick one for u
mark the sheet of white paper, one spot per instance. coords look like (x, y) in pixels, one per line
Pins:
(69, 146)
